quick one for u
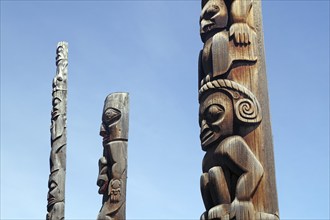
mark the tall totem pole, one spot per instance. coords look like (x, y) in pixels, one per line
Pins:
(56, 182)
(238, 180)
(113, 164)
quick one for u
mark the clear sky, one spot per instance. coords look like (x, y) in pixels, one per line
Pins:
(150, 49)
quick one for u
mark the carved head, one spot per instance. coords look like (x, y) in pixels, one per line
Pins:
(214, 18)
(55, 184)
(215, 118)
(59, 82)
(115, 117)
(226, 108)
(58, 116)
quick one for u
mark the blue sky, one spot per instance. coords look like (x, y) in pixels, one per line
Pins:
(150, 49)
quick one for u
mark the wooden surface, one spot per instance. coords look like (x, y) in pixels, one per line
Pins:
(113, 164)
(238, 180)
(56, 182)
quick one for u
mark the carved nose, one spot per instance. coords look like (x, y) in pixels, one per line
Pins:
(103, 132)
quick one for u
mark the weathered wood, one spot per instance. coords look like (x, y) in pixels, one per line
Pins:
(113, 164)
(56, 183)
(238, 180)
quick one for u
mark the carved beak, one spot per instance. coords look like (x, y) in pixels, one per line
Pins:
(206, 133)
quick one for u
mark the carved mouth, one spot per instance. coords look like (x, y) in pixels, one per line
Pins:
(51, 200)
(205, 136)
(55, 113)
(104, 187)
(209, 30)
(106, 139)
(207, 27)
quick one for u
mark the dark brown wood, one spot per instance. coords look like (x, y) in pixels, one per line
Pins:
(113, 164)
(238, 180)
(56, 182)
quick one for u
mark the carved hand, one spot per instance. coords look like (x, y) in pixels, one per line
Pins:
(242, 210)
(242, 33)
(219, 212)
(115, 190)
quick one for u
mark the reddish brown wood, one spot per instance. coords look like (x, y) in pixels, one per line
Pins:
(238, 180)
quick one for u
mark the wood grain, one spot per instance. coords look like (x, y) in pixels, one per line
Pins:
(238, 180)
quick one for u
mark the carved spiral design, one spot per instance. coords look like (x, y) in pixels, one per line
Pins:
(246, 110)
(247, 107)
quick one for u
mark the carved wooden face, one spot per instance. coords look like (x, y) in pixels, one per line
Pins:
(57, 126)
(58, 105)
(109, 126)
(214, 16)
(216, 119)
(115, 117)
(55, 184)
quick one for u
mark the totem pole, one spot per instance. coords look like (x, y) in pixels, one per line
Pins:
(238, 180)
(113, 164)
(56, 182)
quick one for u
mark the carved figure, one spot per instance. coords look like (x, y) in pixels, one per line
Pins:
(113, 163)
(56, 183)
(231, 171)
(227, 32)
(238, 12)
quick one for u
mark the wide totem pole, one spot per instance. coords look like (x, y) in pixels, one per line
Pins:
(113, 164)
(238, 180)
(56, 182)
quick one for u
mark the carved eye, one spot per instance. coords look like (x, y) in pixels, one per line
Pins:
(52, 185)
(111, 115)
(213, 113)
(214, 8)
(56, 101)
(211, 11)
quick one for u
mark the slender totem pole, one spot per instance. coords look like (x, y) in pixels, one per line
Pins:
(238, 180)
(113, 164)
(56, 182)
